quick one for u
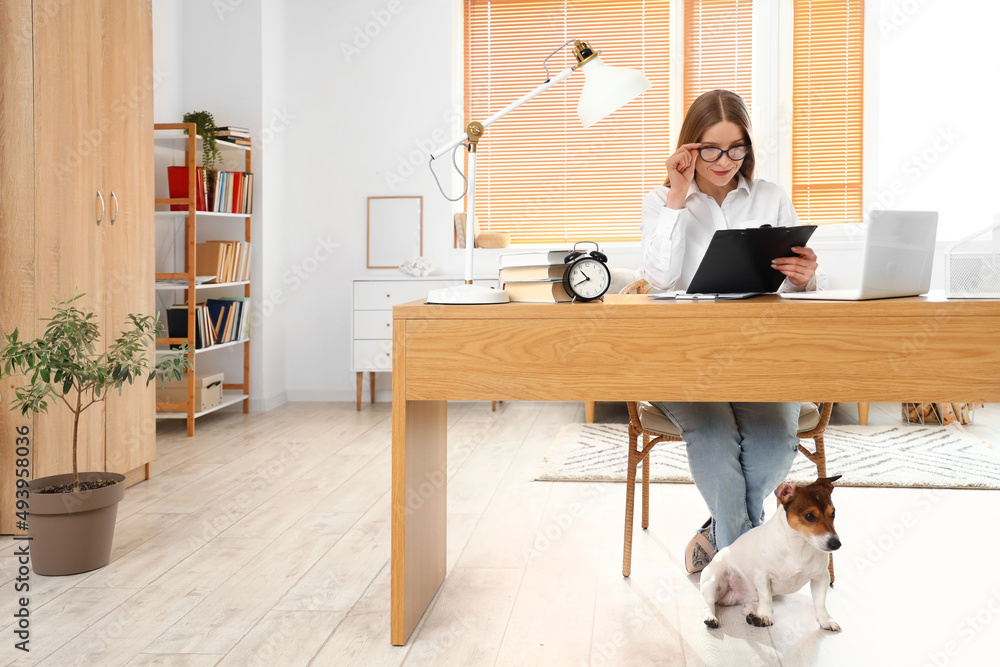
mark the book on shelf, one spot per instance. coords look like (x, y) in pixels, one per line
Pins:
(218, 311)
(533, 258)
(230, 318)
(235, 258)
(238, 141)
(232, 128)
(541, 291)
(177, 181)
(520, 273)
(177, 325)
(242, 315)
(211, 259)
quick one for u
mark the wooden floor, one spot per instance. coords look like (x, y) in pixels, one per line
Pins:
(264, 540)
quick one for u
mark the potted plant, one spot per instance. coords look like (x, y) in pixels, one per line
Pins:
(71, 517)
(178, 178)
(210, 153)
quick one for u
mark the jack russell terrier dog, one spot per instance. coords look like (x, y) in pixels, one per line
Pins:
(777, 557)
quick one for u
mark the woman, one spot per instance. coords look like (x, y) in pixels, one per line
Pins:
(738, 452)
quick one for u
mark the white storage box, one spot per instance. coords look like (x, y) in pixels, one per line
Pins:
(207, 391)
(972, 266)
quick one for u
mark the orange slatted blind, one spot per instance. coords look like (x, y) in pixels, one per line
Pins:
(540, 175)
(828, 83)
(717, 47)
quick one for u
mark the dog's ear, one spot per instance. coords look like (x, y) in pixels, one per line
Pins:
(785, 492)
(827, 482)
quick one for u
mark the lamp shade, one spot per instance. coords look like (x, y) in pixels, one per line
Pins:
(607, 89)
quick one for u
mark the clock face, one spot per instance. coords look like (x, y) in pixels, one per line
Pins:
(587, 279)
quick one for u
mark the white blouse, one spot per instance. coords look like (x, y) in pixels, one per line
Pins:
(675, 240)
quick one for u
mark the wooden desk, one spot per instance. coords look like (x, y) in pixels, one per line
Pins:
(632, 347)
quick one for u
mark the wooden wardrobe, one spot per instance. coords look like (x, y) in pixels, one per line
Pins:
(76, 211)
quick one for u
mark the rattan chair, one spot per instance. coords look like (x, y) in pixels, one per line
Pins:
(655, 427)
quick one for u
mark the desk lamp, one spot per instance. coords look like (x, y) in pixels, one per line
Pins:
(605, 90)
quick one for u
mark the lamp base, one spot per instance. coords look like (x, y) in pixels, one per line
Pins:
(467, 294)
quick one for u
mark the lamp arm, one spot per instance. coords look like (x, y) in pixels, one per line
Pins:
(558, 78)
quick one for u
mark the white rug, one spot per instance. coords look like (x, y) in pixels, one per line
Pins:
(888, 455)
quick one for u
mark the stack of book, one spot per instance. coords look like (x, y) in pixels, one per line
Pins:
(218, 191)
(534, 276)
(230, 192)
(233, 135)
(217, 321)
(228, 261)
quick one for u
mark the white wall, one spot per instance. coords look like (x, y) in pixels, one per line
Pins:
(936, 90)
(354, 93)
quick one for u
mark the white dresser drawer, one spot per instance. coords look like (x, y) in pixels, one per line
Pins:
(373, 355)
(384, 294)
(373, 324)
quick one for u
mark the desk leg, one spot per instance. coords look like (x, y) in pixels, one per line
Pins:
(419, 510)
(589, 408)
(419, 499)
(863, 414)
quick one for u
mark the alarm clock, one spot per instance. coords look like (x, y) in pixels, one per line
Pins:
(587, 275)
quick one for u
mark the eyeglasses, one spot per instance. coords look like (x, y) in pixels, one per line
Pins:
(714, 153)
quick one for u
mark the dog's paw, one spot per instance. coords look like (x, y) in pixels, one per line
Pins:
(758, 621)
(829, 624)
(712, 622)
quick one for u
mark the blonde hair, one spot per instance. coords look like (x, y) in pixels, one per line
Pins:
(717, 106)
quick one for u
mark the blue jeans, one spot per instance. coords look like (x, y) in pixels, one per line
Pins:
(738, 453)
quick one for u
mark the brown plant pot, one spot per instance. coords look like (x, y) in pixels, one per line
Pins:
(73, 532)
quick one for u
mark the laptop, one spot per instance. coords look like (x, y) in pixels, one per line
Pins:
(897, 260)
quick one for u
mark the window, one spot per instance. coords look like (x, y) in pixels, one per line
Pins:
(827, 101)
(540, 175)
(717, 47)
(544, 179)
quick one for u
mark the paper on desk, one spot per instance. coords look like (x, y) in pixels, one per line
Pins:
(682, 295)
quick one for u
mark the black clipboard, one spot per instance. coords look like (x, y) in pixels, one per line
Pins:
(739, 260)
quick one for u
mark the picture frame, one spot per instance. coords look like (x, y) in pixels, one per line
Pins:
(395, 230)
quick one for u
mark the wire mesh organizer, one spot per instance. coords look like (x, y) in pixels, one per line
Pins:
(940, 413)
(972, 265)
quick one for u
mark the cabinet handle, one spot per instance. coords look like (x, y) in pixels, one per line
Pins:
(101, 197)
(114, 198)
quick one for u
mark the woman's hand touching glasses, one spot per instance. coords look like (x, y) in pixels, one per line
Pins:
(680, 173)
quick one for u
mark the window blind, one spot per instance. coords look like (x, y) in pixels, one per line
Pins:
(828, 85)
(717, 47)
(540, 175)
